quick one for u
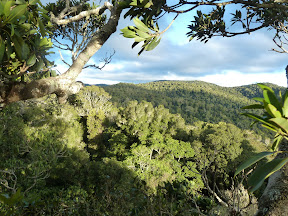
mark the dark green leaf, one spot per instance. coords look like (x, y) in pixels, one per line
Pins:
(270, 98)
(32, 60)
(17, 12)
(252, 161)
(263, 172)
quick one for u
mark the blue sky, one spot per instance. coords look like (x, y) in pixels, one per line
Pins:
(233, 61)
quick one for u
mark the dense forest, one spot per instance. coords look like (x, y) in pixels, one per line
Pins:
(91, 157)
(194, 100)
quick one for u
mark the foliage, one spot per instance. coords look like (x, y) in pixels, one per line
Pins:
(194, 101)
(74, 36)
(24, 45)
(88, 157)
(275, 119)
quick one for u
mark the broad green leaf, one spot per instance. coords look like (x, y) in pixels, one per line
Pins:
(128, 33)
(252, 161)
(282, 123)
(253, 106)
(153, 44)
(7, 8)
(140, 25)
(270, 98)
(272, 110)
(260, 174)
(138, 39)
(142, 34)
(17, 12)
(32, 60)
(264, 87)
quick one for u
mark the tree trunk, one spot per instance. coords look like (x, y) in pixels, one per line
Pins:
(274, 201)
(64, 84)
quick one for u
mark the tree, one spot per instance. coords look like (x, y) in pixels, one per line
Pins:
(25, 55)
(29, 19)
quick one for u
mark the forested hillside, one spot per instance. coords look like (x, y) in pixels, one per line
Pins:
(193, 100)
(89, 157)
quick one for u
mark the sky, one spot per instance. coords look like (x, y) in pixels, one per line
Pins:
(235, 61)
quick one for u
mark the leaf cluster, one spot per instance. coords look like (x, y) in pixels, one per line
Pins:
(275, 119)
(23, 44)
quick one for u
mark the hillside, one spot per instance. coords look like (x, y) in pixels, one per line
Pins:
(194, 100)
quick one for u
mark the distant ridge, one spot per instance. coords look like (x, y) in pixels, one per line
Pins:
(194, 100)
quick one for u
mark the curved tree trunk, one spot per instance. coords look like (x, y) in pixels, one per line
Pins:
(274, 201)
(64, 84)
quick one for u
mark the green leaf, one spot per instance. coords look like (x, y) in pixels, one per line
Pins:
(42, 28)
(33, 2)
(142, 34)
(252, 161)
(32, 60)
(25, 51)
(138, 39)
(270, 98)
(7, 8)
(258, 99)
(272, 110)
(253, 106)
(140, 25)
(264, 87)
(17, 12)
(33, 31)
(153, 44)
(282, 123)
(259, 119)
(18, 42)
(260, 174)
(128, 33)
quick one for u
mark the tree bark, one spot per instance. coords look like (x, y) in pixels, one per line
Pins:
(64, 84)
(274, 201)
